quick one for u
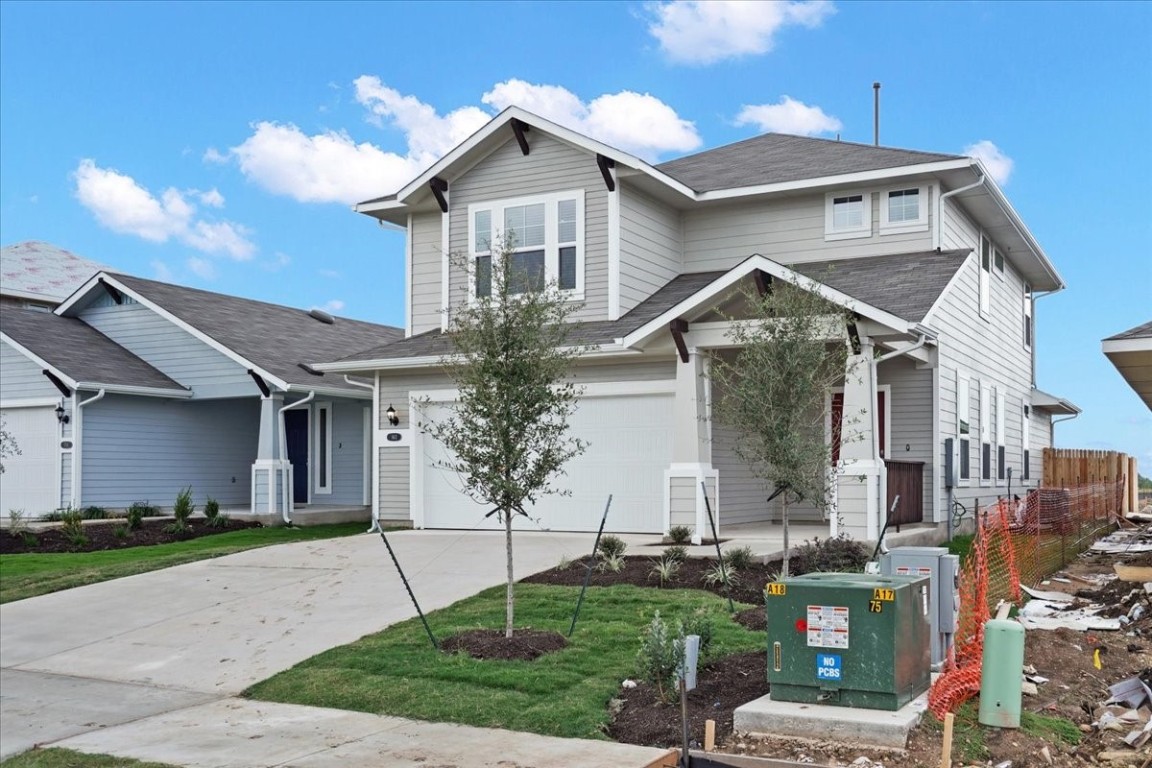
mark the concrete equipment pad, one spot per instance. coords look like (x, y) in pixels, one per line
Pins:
(851, 725)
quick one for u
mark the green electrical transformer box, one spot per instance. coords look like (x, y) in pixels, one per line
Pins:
(849, 639)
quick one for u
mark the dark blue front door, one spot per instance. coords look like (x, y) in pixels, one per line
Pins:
(296, 435)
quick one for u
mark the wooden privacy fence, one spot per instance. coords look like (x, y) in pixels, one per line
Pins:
(1069, 467)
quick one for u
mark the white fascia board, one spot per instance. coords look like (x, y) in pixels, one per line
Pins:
(843, 179)
(743, 269)
(433, 361)
(1120, 346)
(1018, 224)
(44, 364)
(354, 394)
(378, 205)
(129, 389)
(189, 329)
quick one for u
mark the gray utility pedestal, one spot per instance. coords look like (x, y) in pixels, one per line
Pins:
(944, 569)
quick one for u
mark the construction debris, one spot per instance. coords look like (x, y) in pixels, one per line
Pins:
(1126, 542)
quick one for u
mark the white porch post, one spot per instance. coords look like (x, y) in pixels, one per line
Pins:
(270, 471)
(861, 471)
(691, 452)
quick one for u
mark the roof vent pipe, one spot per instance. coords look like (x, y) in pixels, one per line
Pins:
(876, 114)
(322, 316)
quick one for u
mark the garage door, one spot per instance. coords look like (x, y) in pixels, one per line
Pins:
(630, 446)
(31, 480)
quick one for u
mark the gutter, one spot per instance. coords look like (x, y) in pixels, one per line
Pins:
(938, 230)
(78, 444)
(284, 444)
(128, 389)
(328, 391)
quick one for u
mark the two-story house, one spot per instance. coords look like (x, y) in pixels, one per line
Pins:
(938, 268)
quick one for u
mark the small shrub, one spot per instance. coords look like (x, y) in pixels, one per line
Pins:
(220, 521)
(29, 540)
(660, 656)
(211, 508)
(17, 525)
(94, 513)
(679, 534)
(181, 511)
(839, 554)
(564, 564)
(121, 531)
(73, 528)
(679, 554)
(699, 622)
(739, 558)
(665, 570)
(56, 515)
(721, 574)
(612, 546)
(611, 563)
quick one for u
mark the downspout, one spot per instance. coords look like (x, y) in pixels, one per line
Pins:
(284, 443)
(375, 457)
(938, 230)
(1036, 296)
(1057, 421)
(882, 502)
(78, 445)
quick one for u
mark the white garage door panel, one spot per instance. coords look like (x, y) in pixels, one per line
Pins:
(630, 445)
(31, 481)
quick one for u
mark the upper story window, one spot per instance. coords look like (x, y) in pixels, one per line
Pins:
(1027, 308)
(847, 215)
(904, 210)
(985, 275)
(544, 239)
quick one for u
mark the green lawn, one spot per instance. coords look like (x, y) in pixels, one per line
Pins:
(66, 758)
(396, 672)
(30, 575)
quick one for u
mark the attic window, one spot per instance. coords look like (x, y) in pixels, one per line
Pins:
(904, 210)
(847, 216)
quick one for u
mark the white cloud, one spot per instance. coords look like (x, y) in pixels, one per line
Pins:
(699, 32)
(211, 198)
(122, 205)
(638, 123)
(789, 116)
(215, 156)
(278, 262)
(330, 273)
(998, 164)
(162, 271)
(202, 268)
(335, 305)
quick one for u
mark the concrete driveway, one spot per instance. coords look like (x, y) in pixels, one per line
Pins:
(177, 640)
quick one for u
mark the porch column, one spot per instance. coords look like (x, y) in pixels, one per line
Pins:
(271, 480)
(860, 473)
(691, 451)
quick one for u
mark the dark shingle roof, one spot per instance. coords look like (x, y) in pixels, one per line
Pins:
(775, 158)
(906, 284)
(273, 337)
(78, 350)
(433, 343)
(1139, 332)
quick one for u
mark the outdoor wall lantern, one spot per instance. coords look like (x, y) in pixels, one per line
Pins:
(393, 419)
(61, 416)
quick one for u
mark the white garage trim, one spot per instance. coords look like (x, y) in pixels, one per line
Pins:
(32, 402)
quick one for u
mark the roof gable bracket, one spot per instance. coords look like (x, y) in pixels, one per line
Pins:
(115, 294)
(439, 187)
(57, 383)
(679, 327)
(606, 164)
(519, 128)
(260, 383)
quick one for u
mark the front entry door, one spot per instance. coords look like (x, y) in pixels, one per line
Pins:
(296, 436)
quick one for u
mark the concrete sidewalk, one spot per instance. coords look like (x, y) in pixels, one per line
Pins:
(124, 656)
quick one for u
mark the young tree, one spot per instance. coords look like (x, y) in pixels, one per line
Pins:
(508, 433)
(773, 392)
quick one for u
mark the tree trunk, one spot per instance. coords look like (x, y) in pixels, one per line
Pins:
(511, 589)
(784, 522)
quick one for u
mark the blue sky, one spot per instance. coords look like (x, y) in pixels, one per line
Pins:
(219, 145)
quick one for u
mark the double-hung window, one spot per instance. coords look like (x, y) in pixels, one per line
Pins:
(963, 427)
(904, 210)
(1001, 449)
(985, 275)
(847, 215)
(543, 238)
(1027, 307)
(985, 434)
(1025, 429)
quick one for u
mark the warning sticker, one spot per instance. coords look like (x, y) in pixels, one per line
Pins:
(827, 626)
(905, 570)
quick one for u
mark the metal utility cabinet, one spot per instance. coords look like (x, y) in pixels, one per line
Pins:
(944, 569)
(849, 639)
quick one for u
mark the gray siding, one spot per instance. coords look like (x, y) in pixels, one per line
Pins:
(682, 502)
(651, 252)
(394, 484)
(171, 350)
(20, 378)
(65, 478)
(552, 166)
(347, 455)
(427, 267)
(912, 418)
(139, 448)
(742, 493)
(789, 230)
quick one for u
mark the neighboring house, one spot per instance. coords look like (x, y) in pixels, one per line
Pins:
(923, 248)
(39, 275)
(1131, 353)
(132, 389)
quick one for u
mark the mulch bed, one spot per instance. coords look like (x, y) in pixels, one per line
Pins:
(524, 645)
(102, 535)
(721, 686)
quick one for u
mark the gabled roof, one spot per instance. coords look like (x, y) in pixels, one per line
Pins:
(42, 272)
(1131, 353)
(1139, 332)
(775, 158)
(270, 338)
(79, 354)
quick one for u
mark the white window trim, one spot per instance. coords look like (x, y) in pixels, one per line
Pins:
(1025, 440)
(551, 232)
(985, 436)
(920, 224)
(1029, 330)
(985, 276)
(963, 413)
(322, 442)
(864, 230)
(998, 394)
